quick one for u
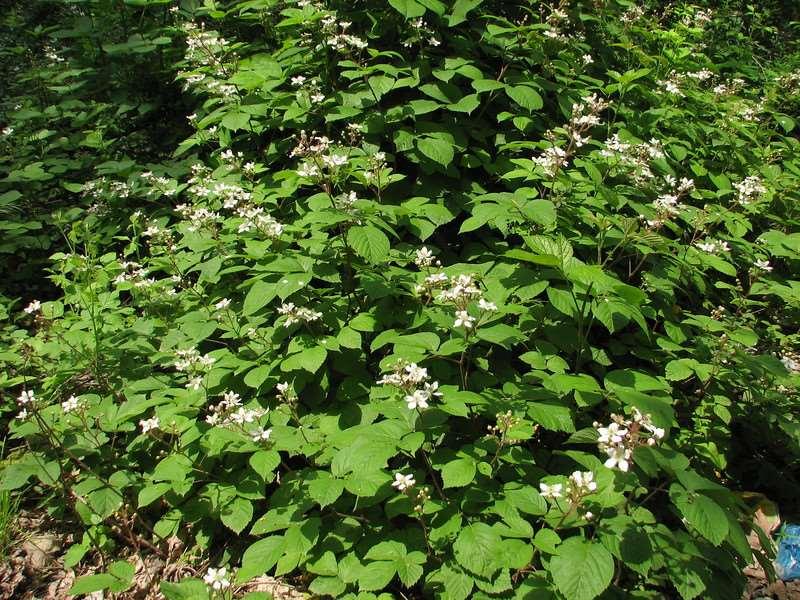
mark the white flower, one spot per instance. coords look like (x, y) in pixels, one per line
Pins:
(26, 397)
(34, 306)
(464, 319)
(298, 80)
(217, 578)
(223, 304)
(618, 457)
(487, 306)
(70, 404)
(419, 399)
(424, 257)
(195, 383)
(333, 161)
(317, 97)
(231, 399)
(613, 434)
(22, 415)
(587, 59)
(403, 482)
(762, 265)
(149, 424)
(582, 482)
(308, 170)
(261, 435)
(550, 491)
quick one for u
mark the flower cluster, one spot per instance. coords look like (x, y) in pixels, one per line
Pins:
(634, 157)
(585, 116)
(791, 361)
(197, 216)
(579, 485)
(673, 83)
(632, 14)
(308, 87)
(72, 404)
(196, 365)
(134, 273)
(405, 483)
(750, 189)
(667, 205)
(762, 264)
(217, 579)
(318, 151)
(229, 412)
(148, 425)
(160, 185)
(414, 382)
(713, 246)
(622, 436)
(26, 401)
(377, 162)
(421, 33)
(297, 314)
(254, 217)
(556, 21)
(337, 38)
(458, 291)
(424, 258)
(729, 88)
(32, 308)
(552, 160)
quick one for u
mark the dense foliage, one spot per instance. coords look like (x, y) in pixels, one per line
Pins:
(403, 298)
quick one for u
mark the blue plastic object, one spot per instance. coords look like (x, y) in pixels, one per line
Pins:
(787, 562)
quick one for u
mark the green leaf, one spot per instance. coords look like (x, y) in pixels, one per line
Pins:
(376, 575)
(237, 514)
(479, 549)
(261, 293)
(581, 570)
(467, 104)
(460, 10)
(525, 96)
(459, 473)
(437, 150)
(150, 493)
(410, 9)
(326, 490)
(118, 579)
(188, 589)
(455, 584)
(501, 334)
(369, 242)
(310, 359)
(703, 515)
(260, 557)
(175, 467)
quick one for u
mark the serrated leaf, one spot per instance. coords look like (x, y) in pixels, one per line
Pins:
(310, 359)
(376, 575)
(260, 557)
(259, 295)
(479, 549)
(410, 9)
(460, 10)
(437, 150)
(527, 97)
(703, 515)
(369, 242)
(581, 569)
(236, 515)
(459, 472)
